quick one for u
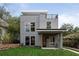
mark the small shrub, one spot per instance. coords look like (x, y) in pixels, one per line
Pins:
(6, 38)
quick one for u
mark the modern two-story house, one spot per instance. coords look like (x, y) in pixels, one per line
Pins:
(38, 28)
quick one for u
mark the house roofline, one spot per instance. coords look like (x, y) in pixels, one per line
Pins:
(24, 12)
(34, 11)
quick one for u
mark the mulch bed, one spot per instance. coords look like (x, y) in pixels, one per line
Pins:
(7, 46)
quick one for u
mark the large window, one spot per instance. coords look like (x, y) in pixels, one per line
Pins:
(33, 26)
(32, 40)
(48, 25)
(27, 40)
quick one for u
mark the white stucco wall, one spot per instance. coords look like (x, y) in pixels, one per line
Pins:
(44, 20)
(27, 20)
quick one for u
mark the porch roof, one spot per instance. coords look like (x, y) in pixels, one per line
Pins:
(51, 30)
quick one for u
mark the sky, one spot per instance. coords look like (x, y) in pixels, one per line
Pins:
(67, 12)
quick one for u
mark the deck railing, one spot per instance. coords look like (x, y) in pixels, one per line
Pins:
(52, 16)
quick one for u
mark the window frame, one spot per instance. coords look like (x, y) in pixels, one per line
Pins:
(32, 26)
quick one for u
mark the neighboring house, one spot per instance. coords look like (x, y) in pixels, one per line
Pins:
(72, 39)
(3, 27)
(38, 28)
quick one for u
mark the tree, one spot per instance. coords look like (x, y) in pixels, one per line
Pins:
(4, 14)
(14, 27)
(14, 23)
(76, 29)
(68, 27)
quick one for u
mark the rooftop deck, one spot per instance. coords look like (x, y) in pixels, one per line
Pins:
(52, 16)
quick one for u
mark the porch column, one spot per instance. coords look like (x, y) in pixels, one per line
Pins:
(23, 41)
(30, 41)
(41, 40)
(61, 41)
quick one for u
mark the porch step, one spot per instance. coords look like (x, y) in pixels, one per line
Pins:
(51, 45)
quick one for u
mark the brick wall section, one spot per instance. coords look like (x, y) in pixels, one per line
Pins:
(7, 46)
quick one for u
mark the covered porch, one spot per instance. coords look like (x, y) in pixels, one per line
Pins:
(51, 38)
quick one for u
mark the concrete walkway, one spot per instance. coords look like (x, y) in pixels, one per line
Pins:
(71, 50)
(48, 48)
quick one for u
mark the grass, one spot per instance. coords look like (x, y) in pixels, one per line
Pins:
(31, 51)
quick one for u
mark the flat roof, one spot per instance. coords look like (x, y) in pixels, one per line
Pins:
(34, 10)
(24, 12)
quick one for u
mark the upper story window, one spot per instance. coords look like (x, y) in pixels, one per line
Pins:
(33, 26)
(48, 25)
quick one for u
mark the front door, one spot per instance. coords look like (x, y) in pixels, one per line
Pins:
(51, 41)
(48, 41)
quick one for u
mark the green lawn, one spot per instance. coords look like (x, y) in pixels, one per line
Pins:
(29, 51)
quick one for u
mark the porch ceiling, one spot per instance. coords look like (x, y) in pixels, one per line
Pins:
(51, 30)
